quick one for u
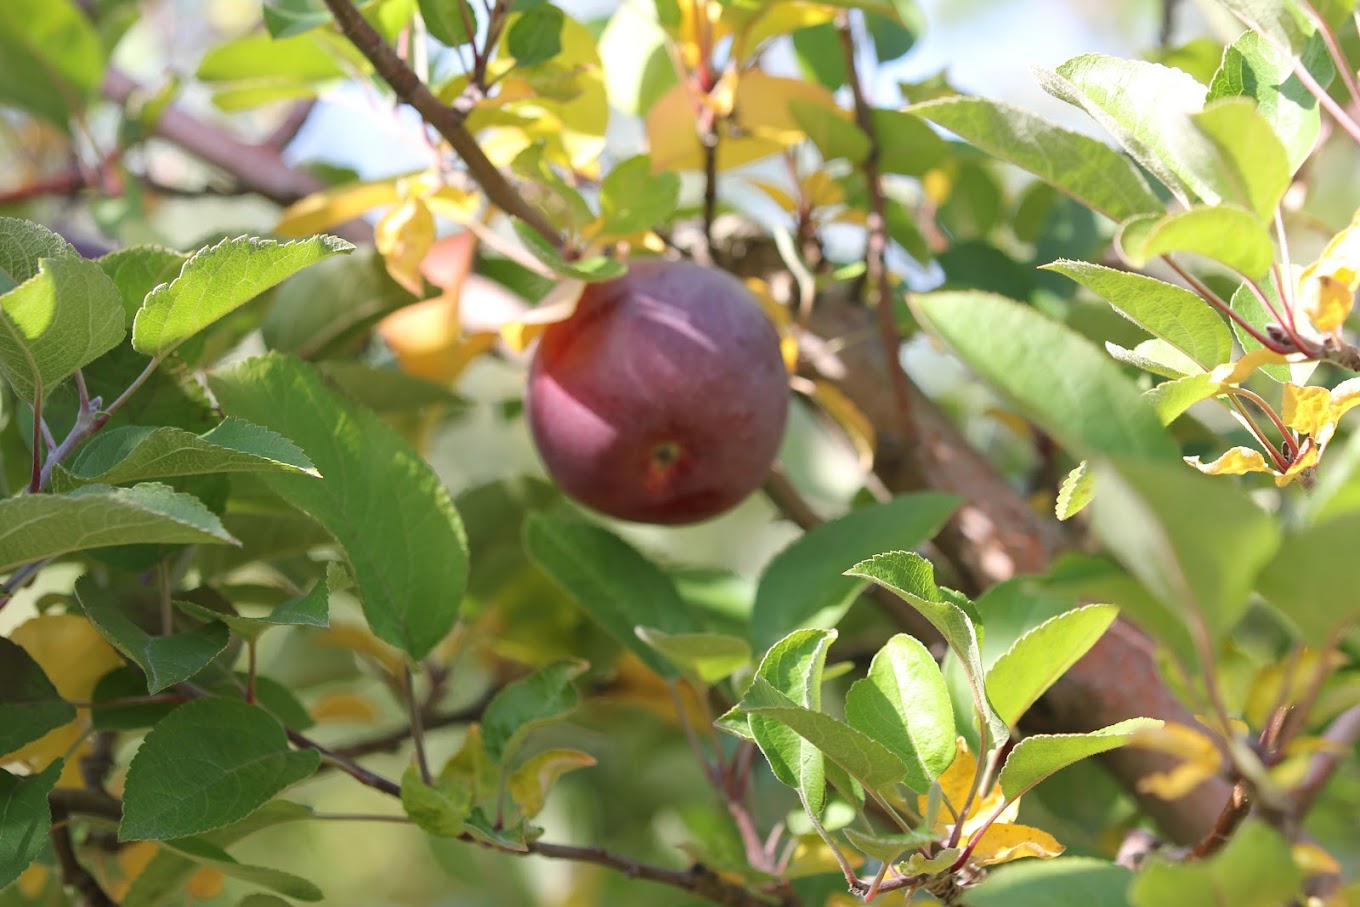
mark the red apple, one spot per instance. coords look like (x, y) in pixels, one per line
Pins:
(663, 398)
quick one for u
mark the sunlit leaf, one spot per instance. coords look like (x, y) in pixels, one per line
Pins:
(1041, 656)
(1227, 234)
(1038, 756)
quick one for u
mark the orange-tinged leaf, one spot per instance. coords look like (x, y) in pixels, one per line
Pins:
(403, 236)
(762, 105)
(205, 884)
(132, 861)
(428, 341)
(1003, 843)
(530, 783)
(788, 349)
(32, 881)
(1235, 462)
(321, 210)
(343, 705)
(1306, 409)
(449, 261)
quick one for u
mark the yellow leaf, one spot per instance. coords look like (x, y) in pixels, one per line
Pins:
(454, 203)
(1199, 755)
(1313, 860)
(788, 349)
(357, 639)
(530, 783)
(74, 657)
(1306, 409)
(821, 191)
(1237, 461)
(1239, 371)
(403, 236)
(673, 137)
(812, 857)
(205, 884)
(344, 706)
(32, 881)
(1309, 454)
(858, 429)
(772, 19)
(427, 339)
(558, 305)
(1267, 689)
(132, 861)
(955, 783)
(1003, 843)
(1326, 299)
(762, 105)
(329, 207)
(700, 23)
(776, 193)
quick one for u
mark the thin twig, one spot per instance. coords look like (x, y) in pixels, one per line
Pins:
(417, 731)
(448, 121)
(73, 872)
(388, 742)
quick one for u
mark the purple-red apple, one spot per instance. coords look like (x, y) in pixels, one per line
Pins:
(663, 398)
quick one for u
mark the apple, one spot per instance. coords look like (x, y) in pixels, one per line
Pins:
(663, 397)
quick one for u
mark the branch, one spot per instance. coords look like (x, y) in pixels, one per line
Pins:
(386, 743)
(1342, 734)
(448, 121)
(73, 872)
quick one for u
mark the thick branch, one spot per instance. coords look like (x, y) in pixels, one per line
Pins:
(446, 120)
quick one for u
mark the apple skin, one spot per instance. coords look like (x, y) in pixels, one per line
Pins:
(663, 398)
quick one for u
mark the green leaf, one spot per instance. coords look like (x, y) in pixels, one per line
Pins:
(862, 757)
(1037, 659)
(1146, 107)
(29, 705)
(1038, 756)
(707, 657)
(887, 847)
(535, 36)
(217, 280)
(207, 764)
(63, 317)
(166, 660)
(1281, 22)
(541, 698)
(25, 819)
(1084, 168)
(1173, 313)
(1172, 398)
(1313, 577)
(1245, 304)
(1195, 541)
(449, 20)
(51, 60)
(286, 18)
(1230, 235)
(1156, 356)
(833, 134)
(912, 578)
(1253, 68)
(612, 581)
(1043, 883)
(589, 269)
(135, 452)
(22, 245)
(39, 526)
(904, 704)
(632, 198)
(1254, 869)
(439, 808)
(386, 389)
(299, 61)
(335, 300)
(1052, 375)
(1076, 491)
(818, 49)
(793, 668)
(205, 854)
(495, 835)
(377, 497)
(137, 270)
(309, 610)
(801, 585)
(262, 900)
(1254, 171)
(907, 144)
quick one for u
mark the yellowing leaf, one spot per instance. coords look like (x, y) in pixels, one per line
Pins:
(821, 191)
(1237, 461)
(1003, 843)
(530, 783)
(812, 857)
(1306, 409)
(454, 203)
(32, 881)
(321, 210)
(1238, 371)
(1325, 298)
(771, 20)
(858, 429)
(344, 706)
(427, 340)
(205, 884)
(403, 236)
(1268, 689)
(74, 657)
(1199, 755)
(558, 305)
(358, 640)
(1313, 860)
(132, 861)
(700, 23)
(776, 194)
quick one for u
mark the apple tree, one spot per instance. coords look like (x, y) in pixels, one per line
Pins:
(696, 479)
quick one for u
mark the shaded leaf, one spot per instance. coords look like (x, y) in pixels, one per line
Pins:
(30, 705)
(309, 610)
(205, 854)
(39, 526)
(541, 698)
(207, 764)
(1254, 869)
(1313, 576)
(402, 537)
(616, 585)
(1041, 883)
(25, 819)
(133, 452)
(137, 270)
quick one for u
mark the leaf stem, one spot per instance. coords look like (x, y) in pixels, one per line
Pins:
(417, 730)
(1334, 49)
(35, 480)
(1217, 302)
